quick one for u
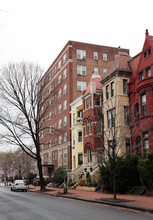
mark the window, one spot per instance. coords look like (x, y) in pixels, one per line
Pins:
(50, 89)
(65, 137)
(55, 141)
(148, 72)
(112, 89)
(59, 93)
(65, 120)
(59, 79)
(126, 115)
(64, 73)
(145, 54)
(65, 153)
(50, 129)
(49, 76)
(79, 136)
(80, 114)
(73, 139)
(95, 55)
(86, 106)
(55, 111)
(111, 118)
(136, 111)
(138, 146)
(59, 64)
(81, 85)
(104, 56)
(50, 115)
(50, 143)
(98, 100)
(64, 58)
(99, 126)
(50, 157)
(89, 99)
(65, 104)
(104, 70)
(81, 54)
(85, 129)
(64, 89)
(149, 52)
(73, 117)
(55, 155)
(127, 143)
(81, 70)
(90, 127)
(60, 139)
(60, 123)
(125, 88)
(60, 154)
(80, 159)
(89, 154)
(141, 76)
(145, 144)
(59, 109)
(143, 105)
(96, 70)
(107, 92)
(42, 134)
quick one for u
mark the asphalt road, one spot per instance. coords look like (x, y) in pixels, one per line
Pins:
(32, 206)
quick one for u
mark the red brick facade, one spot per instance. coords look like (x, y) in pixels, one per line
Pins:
(141, 99)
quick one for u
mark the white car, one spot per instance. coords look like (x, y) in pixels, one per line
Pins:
(19, 185)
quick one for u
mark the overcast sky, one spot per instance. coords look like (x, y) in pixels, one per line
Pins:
(37, 30)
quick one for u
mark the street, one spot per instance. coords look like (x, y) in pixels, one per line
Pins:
(22, 205)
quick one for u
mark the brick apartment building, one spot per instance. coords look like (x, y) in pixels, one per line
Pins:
(68, 76)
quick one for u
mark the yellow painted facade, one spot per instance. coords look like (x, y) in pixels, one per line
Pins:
(116, 103)
(77, 132)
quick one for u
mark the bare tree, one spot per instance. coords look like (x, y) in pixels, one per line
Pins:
(25, 102)
(6, 163)
(115, 133)
(23, 164)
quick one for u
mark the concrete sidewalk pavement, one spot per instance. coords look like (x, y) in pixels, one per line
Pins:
(141, 203)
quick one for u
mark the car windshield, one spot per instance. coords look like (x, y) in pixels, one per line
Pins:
(19, 181)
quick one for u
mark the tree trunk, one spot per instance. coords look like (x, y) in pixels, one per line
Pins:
(114, 181)
(42, 183)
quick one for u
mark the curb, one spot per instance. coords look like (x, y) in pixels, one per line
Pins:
(143, 209)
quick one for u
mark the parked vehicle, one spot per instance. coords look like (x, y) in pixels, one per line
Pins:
(19, 185)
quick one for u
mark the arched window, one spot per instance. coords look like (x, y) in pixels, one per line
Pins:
(89, 154)
(138, 146)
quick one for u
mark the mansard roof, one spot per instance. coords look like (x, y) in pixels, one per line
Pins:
(119, 64)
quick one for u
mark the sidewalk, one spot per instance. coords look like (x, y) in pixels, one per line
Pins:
(141, 203)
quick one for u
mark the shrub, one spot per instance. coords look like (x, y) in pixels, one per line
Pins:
(81, 182)
(59, 175)
(127, 174)
(71, 183)
(145, 168)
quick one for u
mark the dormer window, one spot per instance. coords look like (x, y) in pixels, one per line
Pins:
(145, 54)
(149, 52)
